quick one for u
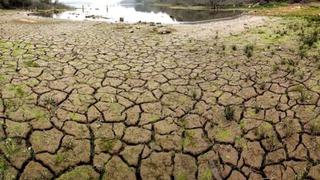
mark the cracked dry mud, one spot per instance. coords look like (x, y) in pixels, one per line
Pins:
(91, 100)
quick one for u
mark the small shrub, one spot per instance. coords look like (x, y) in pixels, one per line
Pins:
(50, 101)
(303, 97)
(310, 39)
(273, 53)
(229, 113)
(291, 62)
(302, 53)
(223, 47)
(194, 94)
(234, 47)
(263, 86)
(248, 50)
(257, 109)
(10, 147)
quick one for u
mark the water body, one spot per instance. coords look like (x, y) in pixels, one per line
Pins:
(132, 12)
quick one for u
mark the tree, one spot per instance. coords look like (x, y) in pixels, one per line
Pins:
(23, 3)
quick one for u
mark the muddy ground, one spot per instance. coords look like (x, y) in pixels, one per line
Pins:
(89, 100)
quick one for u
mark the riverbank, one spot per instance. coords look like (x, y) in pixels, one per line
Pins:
(270, 9)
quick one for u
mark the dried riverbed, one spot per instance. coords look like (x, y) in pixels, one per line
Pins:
(231, 100)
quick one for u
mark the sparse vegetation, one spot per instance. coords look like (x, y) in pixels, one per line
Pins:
(207, 175)
(223, 134)
(181, 176)
(107, 144)
(10, 147)
(75, 116)
(241, 143)
(18, 91)
(315, 126)
(265, 130)
(60, 157)
(271, 141)
(3, 166)
(50, 103)
(68, 146)
(188, 139)
(31, 64)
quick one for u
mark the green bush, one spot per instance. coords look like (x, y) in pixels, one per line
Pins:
(41, 4)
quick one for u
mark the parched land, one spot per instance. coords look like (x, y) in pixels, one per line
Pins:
(90, 100)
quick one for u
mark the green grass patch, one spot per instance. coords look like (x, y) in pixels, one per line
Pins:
(31, 64)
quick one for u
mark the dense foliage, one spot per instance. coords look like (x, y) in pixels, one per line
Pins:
(24, 3)
(220, 2)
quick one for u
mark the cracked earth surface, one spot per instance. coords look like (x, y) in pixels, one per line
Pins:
(91, 100)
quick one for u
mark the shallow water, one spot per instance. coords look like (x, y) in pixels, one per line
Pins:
(132, 12)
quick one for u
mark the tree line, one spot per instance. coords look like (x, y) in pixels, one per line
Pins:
(9, 4)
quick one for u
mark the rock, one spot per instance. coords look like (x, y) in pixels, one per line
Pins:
(164, 30)
(152, 24)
